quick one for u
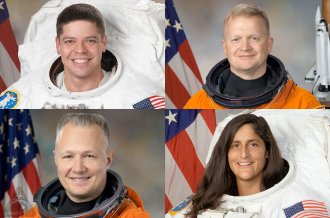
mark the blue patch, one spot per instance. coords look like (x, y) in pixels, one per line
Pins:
(9, 99)
(182, 204)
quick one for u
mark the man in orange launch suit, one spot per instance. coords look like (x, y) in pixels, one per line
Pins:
(85, 186)
(249, 77)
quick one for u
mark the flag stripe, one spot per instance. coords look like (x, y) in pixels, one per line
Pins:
(23, 191)
(187, 140)
(18, 157)
(8, 71)
(182, 78)
(2, 212)
(168, 102)
(3, 86)
(9, 42)
(175, 90)
(15, 207)
(191, 167)
(204, 134)
(209, 118)
(9, 62)
(187, 77)
(167, 204)
(175, 182)
(188, 58)
(33, 183)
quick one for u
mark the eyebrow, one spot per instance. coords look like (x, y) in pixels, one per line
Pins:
(70, 37)
(250, 140)
(72, 152)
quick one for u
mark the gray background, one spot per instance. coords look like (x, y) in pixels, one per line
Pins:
(20, 12)
(291, 25)
(138, 137)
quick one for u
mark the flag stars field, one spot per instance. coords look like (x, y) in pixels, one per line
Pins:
(167, 22)
(27, 148)
(171, 117)
(13, 162)
(16, 143)
(177, 26)
(167, 43)
(19, 125)
(10, 121)
(28, 130)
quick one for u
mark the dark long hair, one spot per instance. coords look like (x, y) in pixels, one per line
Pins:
(218, 179)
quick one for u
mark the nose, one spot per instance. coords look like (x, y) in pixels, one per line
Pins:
(245, 45)
(78, 165)
(80, 47)
(245, 152)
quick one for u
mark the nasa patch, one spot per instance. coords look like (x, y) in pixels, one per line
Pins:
(182, 205)
(9, 99)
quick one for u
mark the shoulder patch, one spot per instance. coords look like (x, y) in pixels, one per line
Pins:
(153, 102)
(9, 99)
(181, 206)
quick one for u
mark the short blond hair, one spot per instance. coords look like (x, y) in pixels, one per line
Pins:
(83, 120)
(248, 10)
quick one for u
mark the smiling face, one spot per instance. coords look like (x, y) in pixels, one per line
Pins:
(246, 45)
(82, 157)
(247, 156)
(80, 46)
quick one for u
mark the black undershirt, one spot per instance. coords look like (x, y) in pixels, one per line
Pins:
(67, 207)
(238, 87)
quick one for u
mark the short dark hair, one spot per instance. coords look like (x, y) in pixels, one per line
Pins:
(80, 12)
(218, 179)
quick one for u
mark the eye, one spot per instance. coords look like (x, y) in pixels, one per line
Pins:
(235, 40)
(255, 39)
(90, 156)
(91, 41)
(253, 144)
(235, 145)
(69, 41)
(67, 157)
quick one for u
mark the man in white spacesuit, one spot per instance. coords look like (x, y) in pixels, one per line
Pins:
(302, 137)
(87, 74)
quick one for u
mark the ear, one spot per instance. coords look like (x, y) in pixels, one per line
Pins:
(270, 44)
(54, 152)
(224, 47)
(267, 156)
(104, 43)
(110, 156)
(58, 47)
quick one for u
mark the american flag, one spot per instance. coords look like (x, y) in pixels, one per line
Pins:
(9, 63)
(19, 173)
(153, 102)
(182, 78)
(188, 134)
(307, 208)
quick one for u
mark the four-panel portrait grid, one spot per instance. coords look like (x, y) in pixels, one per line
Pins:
(213, 109)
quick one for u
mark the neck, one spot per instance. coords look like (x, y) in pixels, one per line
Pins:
(249, 187)
(82, 84)
(250, 74)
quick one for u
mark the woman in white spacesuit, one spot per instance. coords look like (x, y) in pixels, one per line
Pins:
(246, 160)
(249, 175)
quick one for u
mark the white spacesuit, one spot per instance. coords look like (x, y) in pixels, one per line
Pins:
(135, 30)
(303, 137)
